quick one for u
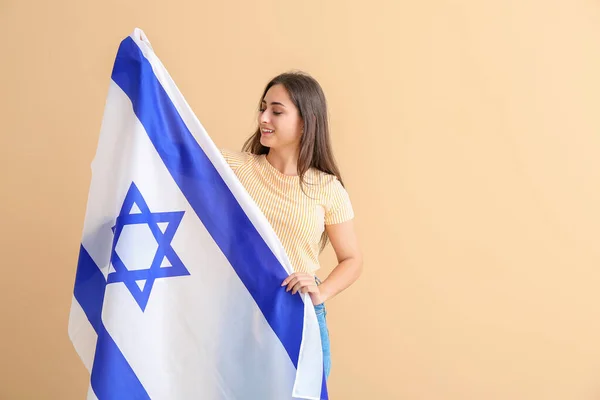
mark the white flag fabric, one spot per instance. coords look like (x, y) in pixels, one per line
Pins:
(177, 292)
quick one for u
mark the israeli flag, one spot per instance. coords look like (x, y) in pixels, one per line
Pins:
(177, 292)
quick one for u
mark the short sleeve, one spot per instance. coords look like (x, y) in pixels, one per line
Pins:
(339, 208)
(235, 159)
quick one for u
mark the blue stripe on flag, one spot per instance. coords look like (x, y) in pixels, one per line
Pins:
(112, 376)
(209, 196)
(324, 393)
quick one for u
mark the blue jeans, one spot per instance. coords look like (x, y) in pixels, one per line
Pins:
(322, 318)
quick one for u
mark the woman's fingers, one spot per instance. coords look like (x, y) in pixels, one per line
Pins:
(300, 282)
(289, 278)
(296, 287)
(298, 278)
(305, 286)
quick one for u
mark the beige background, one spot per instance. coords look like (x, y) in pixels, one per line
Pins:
(469, 137)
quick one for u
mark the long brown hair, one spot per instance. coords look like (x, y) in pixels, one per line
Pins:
(315, 144)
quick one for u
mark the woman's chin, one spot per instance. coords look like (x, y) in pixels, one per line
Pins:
(265, 141)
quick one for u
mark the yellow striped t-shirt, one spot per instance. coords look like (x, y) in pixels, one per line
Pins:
(298, 218)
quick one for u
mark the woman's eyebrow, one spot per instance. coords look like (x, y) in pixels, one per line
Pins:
(275, 103)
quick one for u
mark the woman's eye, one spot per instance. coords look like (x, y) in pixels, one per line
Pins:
(262, 110)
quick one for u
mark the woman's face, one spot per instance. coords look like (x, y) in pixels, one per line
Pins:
(279, 120)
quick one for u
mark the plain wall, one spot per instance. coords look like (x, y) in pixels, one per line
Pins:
(467, 133)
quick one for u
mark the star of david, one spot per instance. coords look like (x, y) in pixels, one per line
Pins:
(134, 215)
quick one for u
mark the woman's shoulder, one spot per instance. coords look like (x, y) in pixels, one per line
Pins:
(327, 184)
(335, 197)
(236, 159)
(325, 180)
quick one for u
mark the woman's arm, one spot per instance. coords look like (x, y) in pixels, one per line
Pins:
(349, 257)
(345, 244)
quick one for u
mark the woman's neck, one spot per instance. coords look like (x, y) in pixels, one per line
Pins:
(285, 162)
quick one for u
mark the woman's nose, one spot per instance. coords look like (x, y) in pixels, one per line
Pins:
(264, 117)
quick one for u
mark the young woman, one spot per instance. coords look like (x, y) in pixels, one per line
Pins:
(287, 166)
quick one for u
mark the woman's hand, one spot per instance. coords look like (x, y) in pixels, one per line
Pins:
(303, 283)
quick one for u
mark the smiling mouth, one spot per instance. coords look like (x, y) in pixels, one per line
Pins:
(265, 131)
